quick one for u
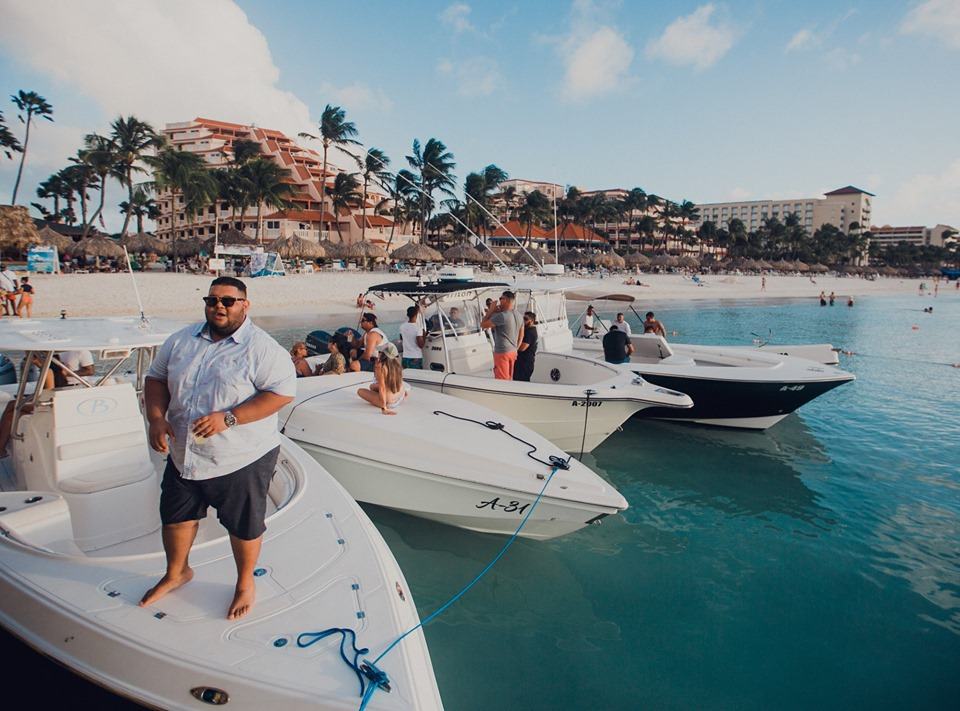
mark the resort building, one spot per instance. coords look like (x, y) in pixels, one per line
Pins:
(918, 235)
(842, 208)
(306, 217)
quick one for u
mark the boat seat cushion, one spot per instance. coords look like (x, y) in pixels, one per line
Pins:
(90, 482)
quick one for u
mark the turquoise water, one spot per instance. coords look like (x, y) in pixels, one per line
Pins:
(816, 564)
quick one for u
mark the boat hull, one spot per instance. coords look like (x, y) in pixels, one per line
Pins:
(735, 403)
(455, 502)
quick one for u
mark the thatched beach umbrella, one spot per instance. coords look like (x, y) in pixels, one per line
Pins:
(297, 248)
(416, 252)
(462, 253)
(50, 236)
(16, 228)
(636, 259)
(528, 257)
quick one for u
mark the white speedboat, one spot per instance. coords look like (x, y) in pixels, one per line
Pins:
(445, 459)
(574, 402)
(731, 386)
(81, 544)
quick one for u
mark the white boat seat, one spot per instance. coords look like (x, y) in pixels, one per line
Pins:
(91, 482)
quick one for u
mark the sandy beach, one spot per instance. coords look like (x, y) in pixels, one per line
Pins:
(332, 295)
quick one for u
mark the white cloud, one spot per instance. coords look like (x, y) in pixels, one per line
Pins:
(597, 64)
(935, 18)
(693, 41)
(477, 76)
(801, 40)
(924, 199)
(161, 60)
(457, 17)
(357, 97)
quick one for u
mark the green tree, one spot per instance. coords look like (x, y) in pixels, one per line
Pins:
(269, 185)
(131, 138)
(343, 196)
(8, 142)
(99, 153)
(29, 104)
(433, 165)
(335, 130)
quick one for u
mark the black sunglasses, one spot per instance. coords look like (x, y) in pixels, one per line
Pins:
(227, 301)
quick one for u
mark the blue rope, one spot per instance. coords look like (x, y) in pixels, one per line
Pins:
(369, 675)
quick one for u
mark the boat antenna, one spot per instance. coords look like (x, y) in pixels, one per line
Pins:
(143, 319)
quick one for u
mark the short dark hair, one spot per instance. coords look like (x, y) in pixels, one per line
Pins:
(649, 314)
(509, 295)
(412, 311)
(230, 281)
(371, 317)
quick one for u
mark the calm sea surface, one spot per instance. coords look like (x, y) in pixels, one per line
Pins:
(814, 565)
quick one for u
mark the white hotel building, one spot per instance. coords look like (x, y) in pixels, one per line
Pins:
(841, 208)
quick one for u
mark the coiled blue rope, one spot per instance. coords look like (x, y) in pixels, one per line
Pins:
(372, 677)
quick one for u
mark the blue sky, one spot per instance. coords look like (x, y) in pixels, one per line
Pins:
(703, 101)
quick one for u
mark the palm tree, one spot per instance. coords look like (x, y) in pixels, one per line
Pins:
(30, 104)
(335, 130)
(99, 153)
(141, 205)
(131, 138)
(177, 171)
(434, 171)
(372, 166)
(268, 186)
(8, 142)
(344, 195)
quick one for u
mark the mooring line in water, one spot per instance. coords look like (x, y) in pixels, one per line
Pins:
(372, 677)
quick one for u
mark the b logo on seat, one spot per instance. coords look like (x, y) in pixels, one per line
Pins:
(96, 406)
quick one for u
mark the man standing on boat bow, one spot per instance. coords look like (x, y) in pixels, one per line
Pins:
(214, 390)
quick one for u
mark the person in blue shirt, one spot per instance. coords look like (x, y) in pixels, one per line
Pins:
(211, 398)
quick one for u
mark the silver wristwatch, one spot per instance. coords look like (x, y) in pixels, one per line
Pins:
(229, 419)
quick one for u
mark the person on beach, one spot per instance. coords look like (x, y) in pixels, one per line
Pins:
(298, 355)
(527, 350)
(336, 362)
(372, 338)
(622, 325)
(833, 298)
(26, 298)
(587, 323)
(211, 399)
(823, 298)
(10, 287)
(389, 390)
(507, 327)
(413, 337)
(616, 346)
(651, 325)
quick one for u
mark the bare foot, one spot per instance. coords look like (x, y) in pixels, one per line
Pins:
(168, 583)
(242, 601)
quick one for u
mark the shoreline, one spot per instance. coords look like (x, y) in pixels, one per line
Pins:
(331, 296)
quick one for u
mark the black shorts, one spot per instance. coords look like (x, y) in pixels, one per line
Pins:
(240, 497)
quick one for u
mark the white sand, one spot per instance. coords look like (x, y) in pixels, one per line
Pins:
(327, 295)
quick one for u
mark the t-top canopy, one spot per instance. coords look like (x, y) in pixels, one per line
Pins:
(414, 289)
(64, 334)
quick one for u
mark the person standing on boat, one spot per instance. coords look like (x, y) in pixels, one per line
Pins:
(372, 338)
(212, 397)
(507, 327)
(622, 325)
(413, 338)
(527, 350)
(651, 325)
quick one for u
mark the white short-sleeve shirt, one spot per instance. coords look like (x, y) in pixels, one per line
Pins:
(206, 376)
